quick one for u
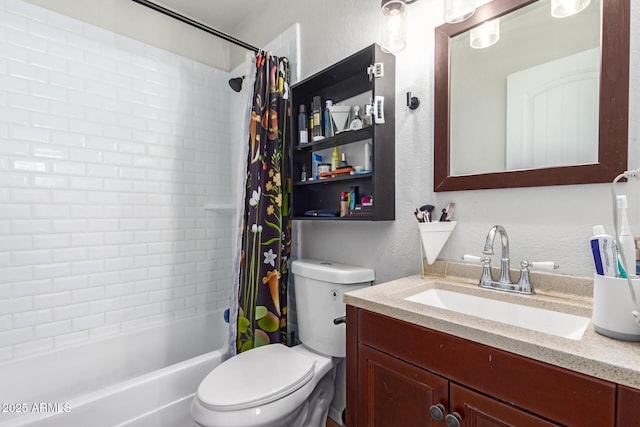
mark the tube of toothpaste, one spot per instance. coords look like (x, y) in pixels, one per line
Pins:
(604, 253)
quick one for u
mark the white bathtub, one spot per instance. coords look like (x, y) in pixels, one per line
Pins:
(139, 379)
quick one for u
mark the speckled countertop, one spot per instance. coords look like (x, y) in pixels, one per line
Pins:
(594, 354)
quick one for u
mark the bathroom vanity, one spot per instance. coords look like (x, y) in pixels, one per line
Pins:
(410, 364)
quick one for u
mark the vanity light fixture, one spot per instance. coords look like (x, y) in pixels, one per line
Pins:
(564, 8)
(458, 10)
(486, 34)
(394, 25)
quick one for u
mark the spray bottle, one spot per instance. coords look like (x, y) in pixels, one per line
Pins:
(327, 121)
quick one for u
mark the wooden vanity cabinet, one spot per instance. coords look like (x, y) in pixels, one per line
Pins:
(398, 371)
(400, 394)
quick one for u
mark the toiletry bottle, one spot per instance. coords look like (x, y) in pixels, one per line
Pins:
(367, 157)
(353, 197)
(626, 243)
(356, 123)
(310, 126)
(344, 203)
(316, 159)
(604, 255)
(303, 172)
(335, 159)
(328, 125)
(317, 120)
(368, 115)
(302, 125)
(343, 160)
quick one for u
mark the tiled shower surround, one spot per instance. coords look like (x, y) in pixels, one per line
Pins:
(109, 150)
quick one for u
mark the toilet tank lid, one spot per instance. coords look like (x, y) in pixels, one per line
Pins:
(333, 272)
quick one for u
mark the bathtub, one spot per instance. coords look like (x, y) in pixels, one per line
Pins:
(139, 379)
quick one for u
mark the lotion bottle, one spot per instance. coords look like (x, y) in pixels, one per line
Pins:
(335, 159)
(626, 242)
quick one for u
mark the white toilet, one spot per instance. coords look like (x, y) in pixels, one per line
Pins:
(275, 385)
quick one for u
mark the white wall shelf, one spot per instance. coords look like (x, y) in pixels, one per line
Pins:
(220, 207)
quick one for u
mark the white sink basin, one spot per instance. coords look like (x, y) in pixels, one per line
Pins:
(537, 319)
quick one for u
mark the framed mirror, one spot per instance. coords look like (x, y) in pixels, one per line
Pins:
(498, 109)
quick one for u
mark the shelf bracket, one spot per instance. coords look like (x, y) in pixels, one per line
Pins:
(378, 110)
(375, 71)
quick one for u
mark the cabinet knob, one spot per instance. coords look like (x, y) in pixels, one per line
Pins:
(437, 412)
(453, 419)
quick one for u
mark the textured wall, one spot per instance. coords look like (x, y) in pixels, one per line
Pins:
(109, 149)
(546, 223)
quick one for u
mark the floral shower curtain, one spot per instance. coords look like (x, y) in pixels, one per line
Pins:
(266, 228)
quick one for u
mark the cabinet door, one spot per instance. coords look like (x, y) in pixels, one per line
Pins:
(393, 393)
(558, 394)
(476, 410)
(628, 407)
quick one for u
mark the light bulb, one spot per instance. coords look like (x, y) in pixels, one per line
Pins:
(564, 8)
(394, 28)
(458, 10)
(486, 34)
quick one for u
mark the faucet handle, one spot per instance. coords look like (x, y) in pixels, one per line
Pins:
(486, 267)
(523, 284)
(473, 258)
(544, 265)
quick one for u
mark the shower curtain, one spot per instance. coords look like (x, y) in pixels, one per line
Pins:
(265, 246)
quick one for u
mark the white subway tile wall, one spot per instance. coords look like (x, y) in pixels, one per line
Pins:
(109, 149)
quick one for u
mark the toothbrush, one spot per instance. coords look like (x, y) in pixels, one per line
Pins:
(626, 244)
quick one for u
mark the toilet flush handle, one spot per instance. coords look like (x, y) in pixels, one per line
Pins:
(338, 320)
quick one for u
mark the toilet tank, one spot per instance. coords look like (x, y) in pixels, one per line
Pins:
(319, 288)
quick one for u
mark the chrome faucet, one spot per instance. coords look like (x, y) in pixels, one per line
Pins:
(504, 282)
(488, 250)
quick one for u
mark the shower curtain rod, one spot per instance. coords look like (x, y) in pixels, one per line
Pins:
(196, 24)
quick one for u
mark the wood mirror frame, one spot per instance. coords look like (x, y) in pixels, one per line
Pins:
(613, 107)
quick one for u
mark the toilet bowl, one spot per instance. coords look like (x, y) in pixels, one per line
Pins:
(279, 386)
(250, 393)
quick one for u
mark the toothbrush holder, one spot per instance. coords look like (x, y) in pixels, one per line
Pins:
(612, 307)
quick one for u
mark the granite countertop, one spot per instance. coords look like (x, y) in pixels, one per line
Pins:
(594, 354)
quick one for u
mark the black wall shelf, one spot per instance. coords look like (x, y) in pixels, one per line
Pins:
(340, 82)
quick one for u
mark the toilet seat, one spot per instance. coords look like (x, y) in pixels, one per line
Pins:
(246, 381)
